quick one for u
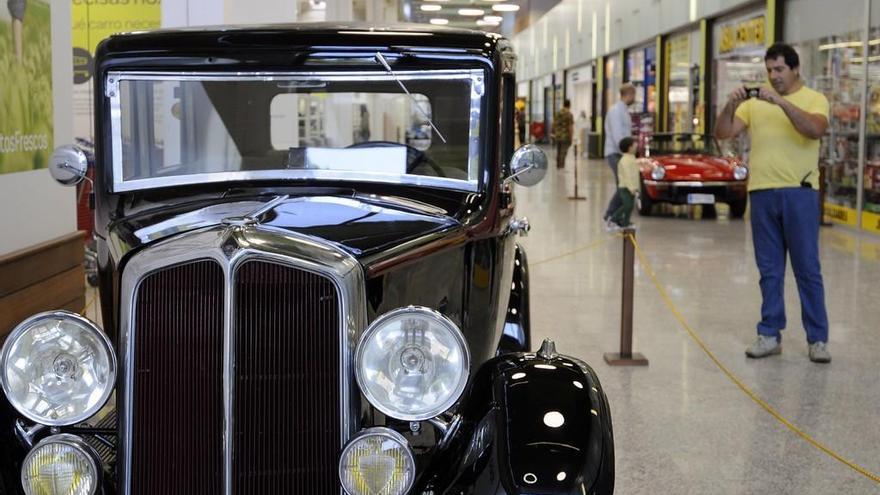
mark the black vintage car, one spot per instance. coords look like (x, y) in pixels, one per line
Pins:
(309, 281)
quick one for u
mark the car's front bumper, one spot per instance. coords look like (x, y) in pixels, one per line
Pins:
(677, 191)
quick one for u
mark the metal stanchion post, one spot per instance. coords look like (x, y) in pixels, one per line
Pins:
(576, 197)
(626, 357)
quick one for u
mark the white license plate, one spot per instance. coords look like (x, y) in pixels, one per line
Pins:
(701, 199)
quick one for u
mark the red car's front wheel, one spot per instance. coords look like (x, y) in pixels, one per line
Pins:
(644, 202)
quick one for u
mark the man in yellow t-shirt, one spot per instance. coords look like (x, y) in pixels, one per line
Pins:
(785, 122)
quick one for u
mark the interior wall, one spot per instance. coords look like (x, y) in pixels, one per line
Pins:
(35, 208)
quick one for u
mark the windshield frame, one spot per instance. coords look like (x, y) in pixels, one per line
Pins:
(709, 139)
(476, 134)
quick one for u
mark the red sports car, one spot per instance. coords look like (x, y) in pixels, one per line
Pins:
(685, 168)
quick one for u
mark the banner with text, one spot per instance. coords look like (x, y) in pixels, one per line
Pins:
(94, 20)
(26, 119)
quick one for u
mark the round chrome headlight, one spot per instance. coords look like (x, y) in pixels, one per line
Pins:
(740, 172)
(60, 465)
(57, 368)
(377, 461)
(658, 172)
(412, 363)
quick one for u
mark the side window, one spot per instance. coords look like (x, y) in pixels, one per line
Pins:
(508, 102)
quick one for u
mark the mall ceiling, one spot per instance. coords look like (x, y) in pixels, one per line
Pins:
(485, 15)
(507, 17)
(501, 16)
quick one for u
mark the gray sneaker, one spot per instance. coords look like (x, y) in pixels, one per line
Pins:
(764, 346)
(819, 352)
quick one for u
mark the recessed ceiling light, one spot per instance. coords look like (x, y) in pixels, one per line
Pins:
(505, 7)
(493, 18)
(431, 8)
(483, 22)
(471, 12)
(439, 22)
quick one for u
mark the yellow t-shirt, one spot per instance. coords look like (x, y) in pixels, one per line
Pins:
(781, 156)
(628, 173)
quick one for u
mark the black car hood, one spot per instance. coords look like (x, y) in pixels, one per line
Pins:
(360, 226)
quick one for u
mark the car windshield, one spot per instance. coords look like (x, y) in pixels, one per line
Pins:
(174, 129)
(671, 144)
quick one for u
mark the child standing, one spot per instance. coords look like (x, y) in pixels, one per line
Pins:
(628, 184)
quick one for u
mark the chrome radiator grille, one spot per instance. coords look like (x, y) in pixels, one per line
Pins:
(177, 420)
(285, 409)
(286, 412)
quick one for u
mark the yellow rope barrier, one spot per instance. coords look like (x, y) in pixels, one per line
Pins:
(578, 250)
(739, 383)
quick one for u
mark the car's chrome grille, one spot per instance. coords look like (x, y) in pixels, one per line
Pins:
(285, 417)
(286, 412)
(177, 420)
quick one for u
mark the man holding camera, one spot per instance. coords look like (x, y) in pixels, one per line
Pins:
(785, 123)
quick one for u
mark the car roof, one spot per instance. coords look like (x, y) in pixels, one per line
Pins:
(309, 35)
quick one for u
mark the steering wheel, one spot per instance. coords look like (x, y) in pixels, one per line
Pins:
(414, 157)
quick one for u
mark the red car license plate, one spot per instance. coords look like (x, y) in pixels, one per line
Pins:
(701, 199)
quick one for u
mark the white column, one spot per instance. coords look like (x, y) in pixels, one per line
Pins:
(184, 13)
(260, 11)
(339, 10)
(381, 11)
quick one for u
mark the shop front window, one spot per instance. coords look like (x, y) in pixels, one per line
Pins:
(871, 201)
(683, 73)
(613, 80)
(833, 62)
(640, 73)
(739, 47)
(834, 65)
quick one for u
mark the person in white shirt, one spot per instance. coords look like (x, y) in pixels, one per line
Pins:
(618, 125)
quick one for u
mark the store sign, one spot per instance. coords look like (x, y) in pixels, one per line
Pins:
(739, 35)
(841, 214)
(680, 50)
(26, 113)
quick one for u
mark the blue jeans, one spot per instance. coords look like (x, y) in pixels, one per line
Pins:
(785, 220)
(615, 203)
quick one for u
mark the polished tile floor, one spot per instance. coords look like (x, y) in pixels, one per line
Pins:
(681, 426)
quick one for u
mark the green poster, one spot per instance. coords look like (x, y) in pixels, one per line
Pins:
(25, 85)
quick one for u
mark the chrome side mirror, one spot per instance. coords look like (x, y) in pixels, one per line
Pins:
(68, 165)
(528, 166)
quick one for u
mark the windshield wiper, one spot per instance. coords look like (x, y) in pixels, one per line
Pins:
(381, 60)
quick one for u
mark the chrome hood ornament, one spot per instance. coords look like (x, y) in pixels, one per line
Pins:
(254, 217)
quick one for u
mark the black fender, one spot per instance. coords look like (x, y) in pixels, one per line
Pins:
(517, 336)
(533, 423)
(12, 452)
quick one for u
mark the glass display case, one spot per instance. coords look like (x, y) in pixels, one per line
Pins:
(834, 65)
(871, 197)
